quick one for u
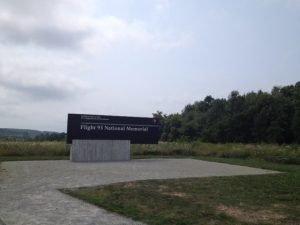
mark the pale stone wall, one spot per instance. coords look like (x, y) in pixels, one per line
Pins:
(99, 150)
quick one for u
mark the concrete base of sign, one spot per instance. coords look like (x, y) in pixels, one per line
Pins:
(99, 150)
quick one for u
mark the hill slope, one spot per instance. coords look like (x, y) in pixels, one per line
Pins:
(17, 134)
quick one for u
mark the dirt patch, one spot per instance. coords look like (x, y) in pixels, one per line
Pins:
(176, 194)
(279, 206)
(130, 185)
(251, 216)
(164, 190)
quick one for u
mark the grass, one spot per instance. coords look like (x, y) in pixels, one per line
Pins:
(288, 154)
(245, 200)
(19, 150)
(269, 152)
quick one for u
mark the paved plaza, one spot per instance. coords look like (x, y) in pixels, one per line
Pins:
(29, 195)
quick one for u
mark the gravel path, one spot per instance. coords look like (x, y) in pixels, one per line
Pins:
(29, 195)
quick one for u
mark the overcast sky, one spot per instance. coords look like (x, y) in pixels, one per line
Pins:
(134, 57)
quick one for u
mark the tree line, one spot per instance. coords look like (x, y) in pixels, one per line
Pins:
(50, 137)
(249, 118)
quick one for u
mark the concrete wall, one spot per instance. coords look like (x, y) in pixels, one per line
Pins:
(99, 150)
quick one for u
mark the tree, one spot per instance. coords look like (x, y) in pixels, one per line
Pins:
(296, 117)
(253, 117)
(161, 120)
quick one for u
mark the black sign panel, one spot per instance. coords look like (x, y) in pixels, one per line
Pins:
(139, 130)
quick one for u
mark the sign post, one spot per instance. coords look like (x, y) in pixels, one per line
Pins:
(108, 138)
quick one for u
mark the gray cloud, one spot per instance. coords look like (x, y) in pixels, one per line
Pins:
(39, 92)
(50, 37)
(40, 23)
(36, 84)
(59, 38)
(71, 24)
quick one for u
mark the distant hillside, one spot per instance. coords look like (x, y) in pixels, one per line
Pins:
(20, 134)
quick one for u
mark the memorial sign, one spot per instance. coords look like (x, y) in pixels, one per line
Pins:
(139, 130)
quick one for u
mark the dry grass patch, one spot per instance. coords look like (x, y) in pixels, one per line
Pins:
(259, 216)
(163, 189)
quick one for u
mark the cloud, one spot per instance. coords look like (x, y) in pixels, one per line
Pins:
(47, 37)
(72, 25)
(42, 88)
(161, 5)
(165, 41)
(51, 57)
(109, 31)
(38, 79)
(40, 23)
